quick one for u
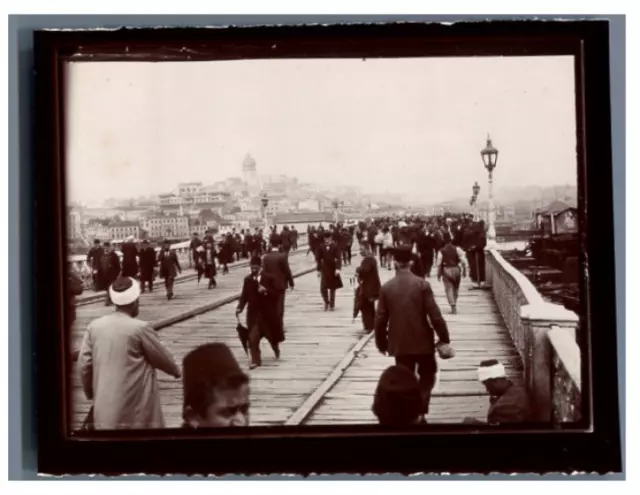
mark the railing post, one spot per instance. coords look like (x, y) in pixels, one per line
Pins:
(538, 319)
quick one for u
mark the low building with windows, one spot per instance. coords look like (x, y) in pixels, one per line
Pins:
(170, 226)
(98, 230)
(123, 230)
(303, 220)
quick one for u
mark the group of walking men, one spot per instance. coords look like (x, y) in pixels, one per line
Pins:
(138, 261)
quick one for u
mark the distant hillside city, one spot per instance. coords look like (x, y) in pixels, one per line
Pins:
(237, 203)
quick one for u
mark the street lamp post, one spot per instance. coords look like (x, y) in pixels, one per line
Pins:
(335, 205)
(476, 192)
(265, 202)
(490, 158)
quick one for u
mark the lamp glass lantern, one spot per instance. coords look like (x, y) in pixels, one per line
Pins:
(264, 200)
(489, 156)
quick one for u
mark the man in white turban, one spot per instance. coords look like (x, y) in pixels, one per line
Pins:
(118, 361)
(509, 402)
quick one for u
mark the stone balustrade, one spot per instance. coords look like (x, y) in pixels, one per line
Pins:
(544, 335)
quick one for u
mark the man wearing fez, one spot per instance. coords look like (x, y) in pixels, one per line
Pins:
(169, 267)
(398, 398)
(407, 320)
(509, 402)
(206, 263)
(215, 390)
(328, 267)
(118, 358)
(276, 264)
(108, 270)
(258, 295)
(147, 265)
(93, 261)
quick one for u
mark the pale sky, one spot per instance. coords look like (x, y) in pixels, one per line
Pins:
(411, 126)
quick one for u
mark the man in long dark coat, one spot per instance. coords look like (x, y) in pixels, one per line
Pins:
(368, 289)
(193, 245)
(129, 259)
(285, 240)
(93, 260)
(276, 264)
(294, 238)
(207, 263)
(147, 265)
(258, 295)
(169, 267)
(328, 267)
(426, 244)
(108, 270)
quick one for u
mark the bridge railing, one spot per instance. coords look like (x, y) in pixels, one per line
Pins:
(544, 334)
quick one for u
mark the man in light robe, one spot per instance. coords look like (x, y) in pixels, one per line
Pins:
(118, 360)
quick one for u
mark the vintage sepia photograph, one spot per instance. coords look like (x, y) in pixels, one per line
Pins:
(323, 241)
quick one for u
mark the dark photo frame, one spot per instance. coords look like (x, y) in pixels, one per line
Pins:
(591, 444)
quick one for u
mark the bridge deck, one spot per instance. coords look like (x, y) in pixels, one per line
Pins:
(316, 342)
(477, 333)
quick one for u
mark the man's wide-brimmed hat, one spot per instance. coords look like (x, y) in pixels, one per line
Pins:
(124, 291)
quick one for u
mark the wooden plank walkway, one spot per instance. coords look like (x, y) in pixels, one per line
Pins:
(317, 341)
(189, 294)
(477, 333)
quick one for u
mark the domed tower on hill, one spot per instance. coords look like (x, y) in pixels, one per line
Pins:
(249, 176)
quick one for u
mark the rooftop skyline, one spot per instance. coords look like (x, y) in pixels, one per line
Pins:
(410, 126)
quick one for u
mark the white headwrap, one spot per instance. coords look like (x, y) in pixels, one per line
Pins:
(125, 297)
(489, 372)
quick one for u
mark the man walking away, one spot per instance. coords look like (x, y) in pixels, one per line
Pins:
(147, 265)
(109, 269)
(509, 402)
(258, 295)
(169, 267)
(294, 238)
(117, 362)
(328, 267)
(93, 261)
(368, 287)
(406, 321)
(193, 246)
(451, 269)
(276, 264)
(215, 390)
(129, 258)
(285, 238)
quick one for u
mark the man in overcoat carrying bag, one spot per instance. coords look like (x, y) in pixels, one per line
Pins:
(259, 295)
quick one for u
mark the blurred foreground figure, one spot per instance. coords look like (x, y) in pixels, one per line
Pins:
(118, 361)
(398, 400)
(216, 391)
